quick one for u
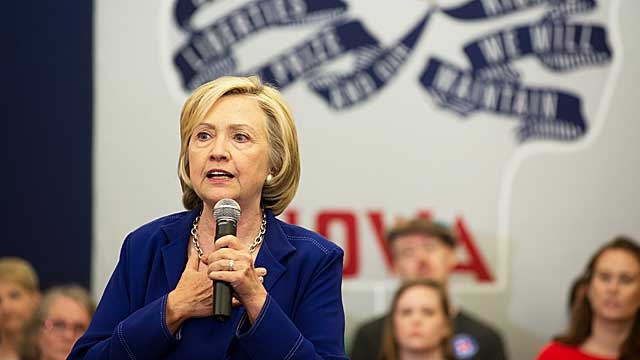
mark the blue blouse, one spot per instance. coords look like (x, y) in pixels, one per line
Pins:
(302, 318)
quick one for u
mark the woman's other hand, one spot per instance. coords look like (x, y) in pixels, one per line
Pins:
(192, 297)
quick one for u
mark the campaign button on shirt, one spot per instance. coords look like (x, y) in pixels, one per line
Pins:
(465, 346)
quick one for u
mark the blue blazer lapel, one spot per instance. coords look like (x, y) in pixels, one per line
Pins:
(174, 252)
(273, 250)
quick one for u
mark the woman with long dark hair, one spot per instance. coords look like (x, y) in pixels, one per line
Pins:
(605, 324)
(419, 325)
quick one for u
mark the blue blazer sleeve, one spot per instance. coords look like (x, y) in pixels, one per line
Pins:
(314, 331)
(116, 332)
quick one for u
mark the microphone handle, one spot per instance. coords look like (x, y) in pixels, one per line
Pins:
(222, 289)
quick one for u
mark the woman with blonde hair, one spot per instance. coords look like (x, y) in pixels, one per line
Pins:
(19, 296)
(239, 149)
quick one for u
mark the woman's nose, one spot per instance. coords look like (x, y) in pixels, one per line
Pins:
(612, 285)
(416, 320)
(219, 150)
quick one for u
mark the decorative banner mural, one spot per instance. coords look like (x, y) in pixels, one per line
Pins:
(403, 108)
(491, 84)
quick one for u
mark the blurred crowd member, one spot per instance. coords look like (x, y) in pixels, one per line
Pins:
(606, 321)
(19, 296)
(420, 326)
(61, 318)
(423, 249)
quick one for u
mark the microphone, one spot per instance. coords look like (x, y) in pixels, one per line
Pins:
(226, 212)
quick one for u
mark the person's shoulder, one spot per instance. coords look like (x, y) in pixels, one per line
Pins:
(473, 335)
(555, 351)
(367, 339)
(466, 322)
(304, 239)
(373, 325)
(160, 222)
(153, 229)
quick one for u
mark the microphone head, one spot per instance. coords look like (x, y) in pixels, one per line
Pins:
(226, 210)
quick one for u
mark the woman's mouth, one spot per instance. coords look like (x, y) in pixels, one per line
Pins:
(219, 174)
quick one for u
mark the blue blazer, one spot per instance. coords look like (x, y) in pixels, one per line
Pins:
(302, 318)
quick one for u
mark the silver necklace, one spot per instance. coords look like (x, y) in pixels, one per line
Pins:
(254, 245)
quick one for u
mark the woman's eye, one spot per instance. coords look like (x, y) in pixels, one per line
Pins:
(604, 276)
(240, 137)
(202, 136)
(428, 312)
(627, 279)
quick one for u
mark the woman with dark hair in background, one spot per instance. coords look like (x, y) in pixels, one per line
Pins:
(605, 324)
(19, 296)
(419, 325)
(60, 319)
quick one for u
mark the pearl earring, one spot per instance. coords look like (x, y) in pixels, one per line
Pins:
(269, 179)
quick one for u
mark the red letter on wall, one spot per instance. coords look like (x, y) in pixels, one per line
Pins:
(476, 264)
(351, 250)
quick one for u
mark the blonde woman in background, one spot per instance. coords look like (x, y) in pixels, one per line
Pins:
(61, 318)
(19, 296)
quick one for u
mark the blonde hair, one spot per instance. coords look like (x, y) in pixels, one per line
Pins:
(284, 156)
(19, 271)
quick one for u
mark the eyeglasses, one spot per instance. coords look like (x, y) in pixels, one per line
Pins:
(59, 327)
